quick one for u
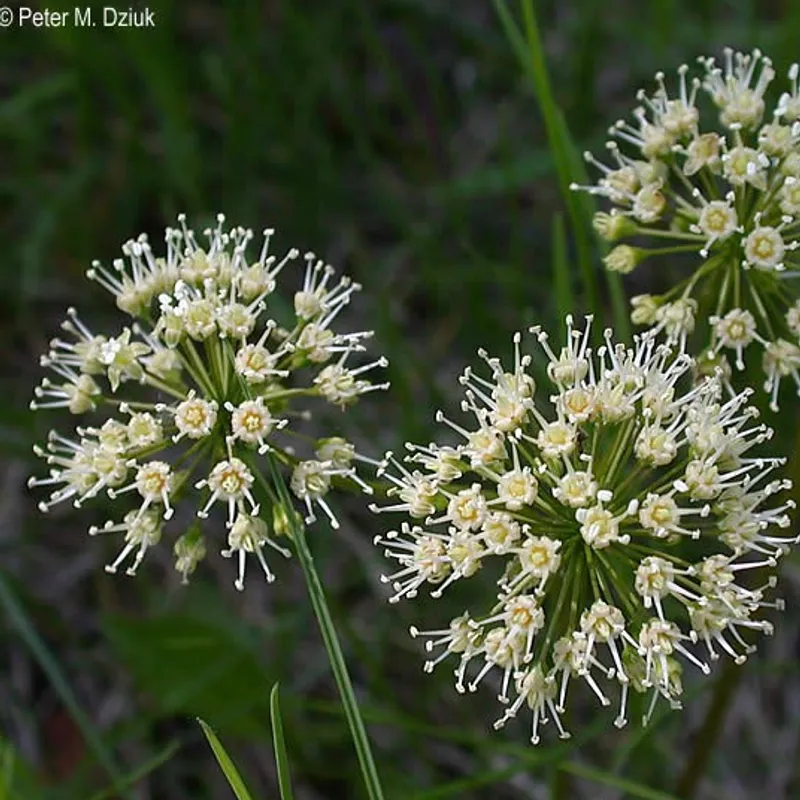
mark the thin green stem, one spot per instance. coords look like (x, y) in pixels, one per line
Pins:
(527, 44)
(197, 369)
(561, 787)
(706, 738)
(357, 728)
(668, 234)
(280, 494)
(151, 380)
(665, 251)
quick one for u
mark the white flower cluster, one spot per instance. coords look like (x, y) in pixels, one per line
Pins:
(729, 193)
(209, 376)
(629, 520)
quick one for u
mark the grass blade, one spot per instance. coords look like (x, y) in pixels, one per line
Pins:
(565, 299)
(281, 757)
(19, 620)
(531, 55)
(630, 788)
(529, 51)
(225, 764)
(141, 771)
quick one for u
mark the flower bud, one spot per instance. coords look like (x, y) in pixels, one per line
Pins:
(643, 309)
(189, 550)
(612, 227)
(282, 525)
(623, 259)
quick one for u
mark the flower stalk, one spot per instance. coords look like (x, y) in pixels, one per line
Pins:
(316, 593)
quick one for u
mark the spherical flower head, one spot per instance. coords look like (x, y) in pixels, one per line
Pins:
(617, 561)
(720, 193)
(188, 402)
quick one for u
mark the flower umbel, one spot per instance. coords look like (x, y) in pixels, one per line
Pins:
(723, 187)
(203, 383)
(629, 516)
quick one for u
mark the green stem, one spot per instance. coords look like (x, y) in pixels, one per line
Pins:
(656, 232)
(326, 626)
(707, 736)
(278, 493)
(560, 785)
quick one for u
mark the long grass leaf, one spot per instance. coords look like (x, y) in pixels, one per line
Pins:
(225, 764)
(529, 50)
(565, 300)
(142, 771)
(50, 666)
(281, 756)
(631, 788)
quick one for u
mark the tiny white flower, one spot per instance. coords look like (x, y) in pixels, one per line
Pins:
(781, 359)
(793, 319)
(623, 259)
(717, 221)
(735, 330)
(576, 489)
(144, 430)
(599, 527)
(764, 248)
(142, 531)
(252, 422)
(249, 534)
(200, 318)
(517, 488)
(189, 551)
(467, 509)
(195, 417)
(655, 445)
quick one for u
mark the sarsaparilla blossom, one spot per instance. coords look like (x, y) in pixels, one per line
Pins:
(211, 375)
(705, 169)
(622, 505)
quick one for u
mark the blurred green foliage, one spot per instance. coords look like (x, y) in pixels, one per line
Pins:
(401, 139)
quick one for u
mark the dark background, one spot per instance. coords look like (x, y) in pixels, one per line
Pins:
(399, 139)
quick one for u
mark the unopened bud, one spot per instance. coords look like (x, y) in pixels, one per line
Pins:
(643, 309)
(612, 227)
(623, 259)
